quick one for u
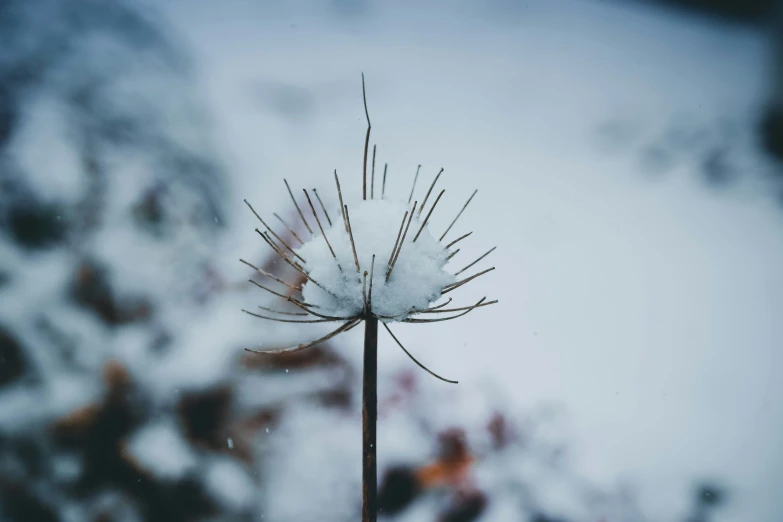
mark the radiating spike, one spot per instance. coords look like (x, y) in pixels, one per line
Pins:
(294, 265)
(383, 187)
(366, 141)
(424, 223)
(307, 308)
(411, 320)
(396, 241)
(273, 232)
(340, 194)
(290, 228)
(458, 215)
(369, 293)
(290, 299)
(476, 261)
(323, 207)
(297, 207)
(281, 312)
(446, 310)
(453, 254)
(415, 179)
(424, 203)
(414, 359)
(460, 238)
(277, 250)
(372, 176)
(321, 228)
(456, 285)
(364, 291)
(345, 327)
(427, 310)
(267, 274)
(291, 320)
(402, 242)
(350, 235)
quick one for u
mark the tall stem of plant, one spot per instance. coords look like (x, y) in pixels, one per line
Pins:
(369, 420)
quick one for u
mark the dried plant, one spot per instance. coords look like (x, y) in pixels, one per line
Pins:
(337, 262)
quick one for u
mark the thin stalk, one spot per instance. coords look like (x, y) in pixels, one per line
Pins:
(366, 142)
(426, 219)
(460, 238)
(323, 207)
(415, 179)
(290, 229)
(458, 215)
(299, 210)
(430, 191)
(402, 240)
(372, 176)
(476, 261)
(369, 422)
(414, 359)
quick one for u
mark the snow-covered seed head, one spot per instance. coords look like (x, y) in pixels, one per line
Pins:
(415, 280)
(374, 258)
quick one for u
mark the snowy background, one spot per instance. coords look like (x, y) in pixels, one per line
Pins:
(630, 371)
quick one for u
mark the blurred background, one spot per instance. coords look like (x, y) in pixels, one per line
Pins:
(629, 161)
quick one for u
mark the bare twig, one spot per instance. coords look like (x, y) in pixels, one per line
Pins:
(298, 347)
(366, 141)
(290, 229)
(294, 265)
(350, 235)
(321, 228)
(444, 310)
(410, 320)
(424, 223)
(323, 207)
(291, 320)
(395, 317)
(456, 285)
(369, 293)
(281, 312)
(396, 242)
(372, 176)
(364, 291)
(278, 250)
(427, 310)
(415, 179)
(297, 206)
(453, 254)
(304, 306)
(273, 232)
(460, 238)
(340, 194)
(414, 359)
(383, 187)
(402, 242)
(286, 297)
(267, 274)
(476, 261)
(458, 215)
(423, 203)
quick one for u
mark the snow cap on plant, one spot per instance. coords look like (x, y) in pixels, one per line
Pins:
(374, 260)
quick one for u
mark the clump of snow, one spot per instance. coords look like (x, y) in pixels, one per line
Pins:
(230, 484)
(416, 281)
(309, 483)
(161, 449)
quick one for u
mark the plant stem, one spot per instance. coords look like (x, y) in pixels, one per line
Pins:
(369, 419)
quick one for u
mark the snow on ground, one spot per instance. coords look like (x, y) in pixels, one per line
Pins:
(646, 302)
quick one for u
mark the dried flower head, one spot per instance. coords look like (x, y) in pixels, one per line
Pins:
(377, 260)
